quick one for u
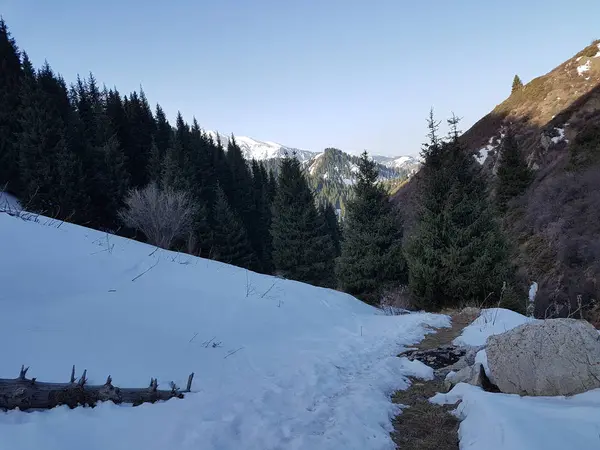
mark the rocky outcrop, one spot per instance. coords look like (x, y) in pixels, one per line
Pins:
(551, 357)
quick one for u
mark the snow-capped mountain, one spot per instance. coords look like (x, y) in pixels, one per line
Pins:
(263, 150)
(268, 150)
(409, 164)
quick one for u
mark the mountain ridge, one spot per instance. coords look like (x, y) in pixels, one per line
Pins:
(264, 150)
(555, 119)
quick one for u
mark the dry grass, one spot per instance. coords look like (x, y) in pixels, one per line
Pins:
(423, 425)
(444, 336)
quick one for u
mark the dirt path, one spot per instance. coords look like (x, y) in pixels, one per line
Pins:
(423, 425)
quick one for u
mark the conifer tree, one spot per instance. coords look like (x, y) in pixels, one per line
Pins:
(457, 253)
(239, 192)
(517, 84)
(155, 164)
(40, 141)
(260, 236)
(163, 135)
(371, 254)
(141, 132)
(230, 242)
(10, 88)
(513, 174)
(333, 226)
(302, 247)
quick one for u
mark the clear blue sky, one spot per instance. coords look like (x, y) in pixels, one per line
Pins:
(309, 73)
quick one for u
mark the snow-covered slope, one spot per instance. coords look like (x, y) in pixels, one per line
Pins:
(312, 369)
(8, 202)
(408, 163)
(263, 150)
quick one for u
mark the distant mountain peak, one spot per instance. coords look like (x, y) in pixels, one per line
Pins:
(263, 150)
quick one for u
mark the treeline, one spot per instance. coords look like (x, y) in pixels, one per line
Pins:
(75, 152)
(457, 253)
(92, 156)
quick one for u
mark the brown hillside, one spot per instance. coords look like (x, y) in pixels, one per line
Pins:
(556, 224)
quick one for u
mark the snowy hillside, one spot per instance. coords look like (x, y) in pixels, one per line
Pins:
(263, 150)
(293, 366)
(409, 164)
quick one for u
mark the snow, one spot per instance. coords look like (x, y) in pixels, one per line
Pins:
(597, 55)
(484, 152)
(314, 369)
(263, 150)
(8, 202)
(348, 181)
(492, 421)
(481, 357)
(396, 162)
(490, 322)
(560, 137)
(402, 160)
(584, 68)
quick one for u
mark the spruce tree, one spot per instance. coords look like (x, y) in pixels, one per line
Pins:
(517, 84)
(457, 254)
(141, 132)
(333, 226)
(371, 254)
(155, 164)
(40, 141)
(261, 218)
(10, 87)
(163, 134)
(302, 248)
(513, 174)
(239, 191)
(230, 242)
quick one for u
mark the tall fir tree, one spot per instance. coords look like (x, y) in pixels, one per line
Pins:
(41, 139)
(10, 102)
(141, 132)
(371, 255)
(239, 191)
(517, 84)
(457, 253)
(261, 218)
(155, 164)
(230, 242)
(174, 162)
(163, 134)
(302, 248)
(513, 174)
(333, 226)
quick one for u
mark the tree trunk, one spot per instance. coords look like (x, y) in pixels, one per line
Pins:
(24, 393)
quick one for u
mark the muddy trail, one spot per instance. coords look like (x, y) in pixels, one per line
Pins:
(423, 425)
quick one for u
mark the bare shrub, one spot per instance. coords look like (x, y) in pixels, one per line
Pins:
(397, 300)
(162, 214)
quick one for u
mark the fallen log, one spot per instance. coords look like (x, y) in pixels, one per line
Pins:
(25, 393)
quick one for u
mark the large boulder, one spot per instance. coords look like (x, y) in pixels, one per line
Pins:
(550, 357)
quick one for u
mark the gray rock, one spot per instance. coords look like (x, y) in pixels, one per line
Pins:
(470, 375)
(550, 357)
(467, 360)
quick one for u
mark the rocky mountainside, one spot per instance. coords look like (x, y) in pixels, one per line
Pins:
(556, 119)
